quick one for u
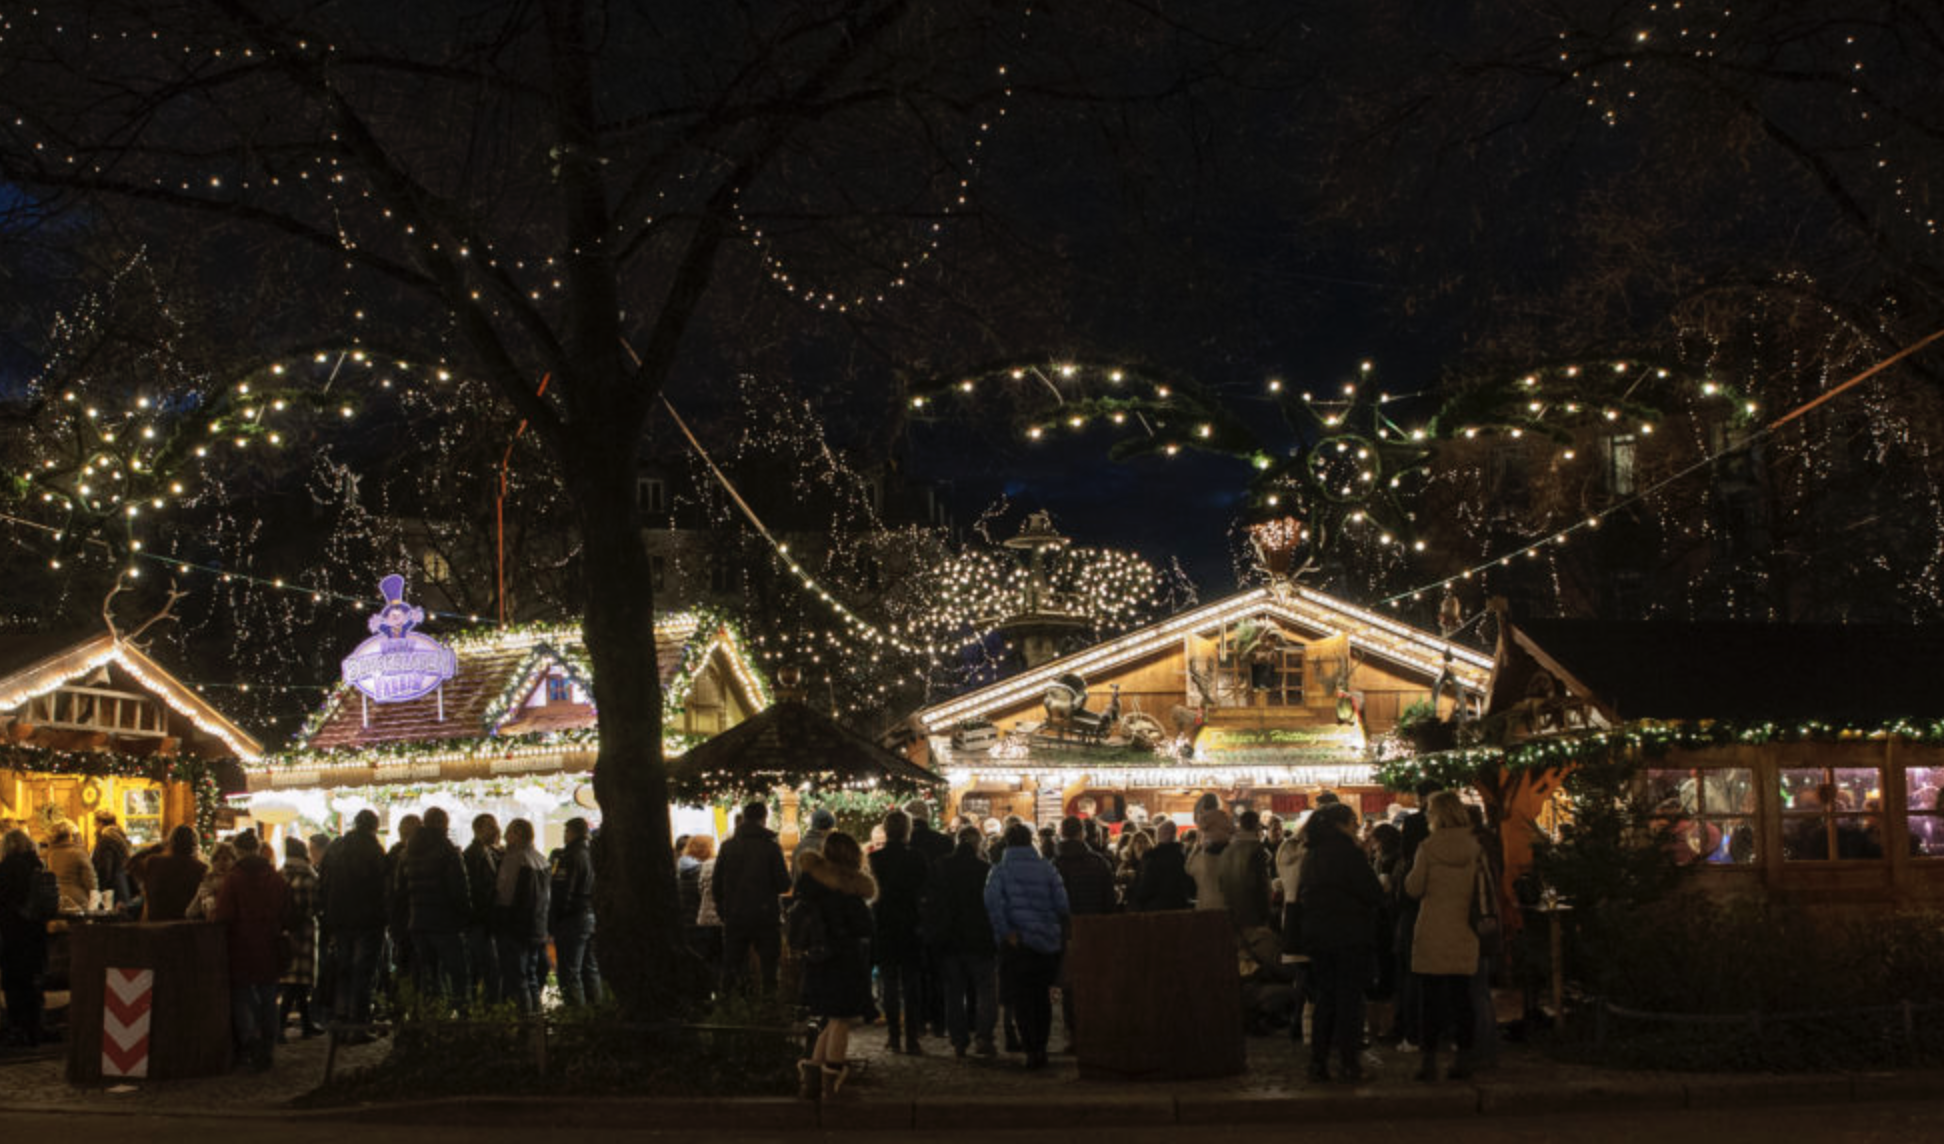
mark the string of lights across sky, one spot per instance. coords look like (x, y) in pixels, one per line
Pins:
(871, 632)
(1593, 521)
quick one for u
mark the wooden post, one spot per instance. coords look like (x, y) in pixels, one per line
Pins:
(1558, 942)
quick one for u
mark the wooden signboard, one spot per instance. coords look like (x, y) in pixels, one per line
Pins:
(1157, 996)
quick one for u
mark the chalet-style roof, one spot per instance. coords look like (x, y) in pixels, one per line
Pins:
(1725, 670)
(496, 672)
(34, 665)
(789, 745)
(1368, 632)
(489, 727)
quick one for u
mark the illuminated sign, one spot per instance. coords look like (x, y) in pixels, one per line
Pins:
(397, 664)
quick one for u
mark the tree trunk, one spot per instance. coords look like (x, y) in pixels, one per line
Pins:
(640, 940)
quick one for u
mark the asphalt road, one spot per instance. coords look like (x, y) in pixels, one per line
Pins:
(1896, 1122)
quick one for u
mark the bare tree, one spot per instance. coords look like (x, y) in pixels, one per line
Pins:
(556, 190)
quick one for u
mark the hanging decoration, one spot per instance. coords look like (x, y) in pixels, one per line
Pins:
(199, 774)
(1646, 738)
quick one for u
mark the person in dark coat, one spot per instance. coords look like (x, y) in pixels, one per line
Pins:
(1412, 832)
(836, 977)
(441, 908)
(572, 903)
(112, 853)
(354, 892)
(1089, 880)
(170, 878)
(1245, 870)
(1164, 882)
(750, 876)
(398, 923)
(1340, 897)
(900, 873)
(960, 935)
(934, 847)
(520, 896)
(482, 858)
(23, 938)
(255, 902)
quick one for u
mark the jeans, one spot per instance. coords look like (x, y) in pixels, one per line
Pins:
(522, 970)
(1340, 977)
(482, 963)
(904, 1006)
(354, 958)
(738, 941)
(1031, 974)
(1447, 1012)
(963, 972)
(439, 963)
(1410, 990)
(253, 1017)
(20, 978)
(579, 973)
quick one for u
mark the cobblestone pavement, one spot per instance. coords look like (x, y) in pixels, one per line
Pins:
(1275, 1069)
(39, 1078)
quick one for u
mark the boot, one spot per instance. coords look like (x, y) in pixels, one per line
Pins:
(834, 1077)
(911, 1042)
(1319, 1066)
(809, 1080)
(1428, 1066)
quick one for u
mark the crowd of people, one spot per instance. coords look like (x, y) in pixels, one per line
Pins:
(1347, 932)
(339, 924)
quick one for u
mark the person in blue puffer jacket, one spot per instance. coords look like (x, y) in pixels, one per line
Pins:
(1027, 903)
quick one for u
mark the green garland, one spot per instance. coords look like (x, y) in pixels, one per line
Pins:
(198, 773)
(1646, 738)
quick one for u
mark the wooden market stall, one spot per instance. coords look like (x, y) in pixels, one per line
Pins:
(1802, 763)
(795, 753)
(1263, 699)
(92, 724)
(510, 730)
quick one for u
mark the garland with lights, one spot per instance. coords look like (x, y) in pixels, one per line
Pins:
(199, 774)
(1646, 739)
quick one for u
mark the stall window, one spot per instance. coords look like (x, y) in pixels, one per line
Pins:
(142, 815)
(1710, 811)
(1832, 813)
(1924, 818)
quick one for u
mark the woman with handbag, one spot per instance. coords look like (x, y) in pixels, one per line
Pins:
(830, 930)
(1444, 946)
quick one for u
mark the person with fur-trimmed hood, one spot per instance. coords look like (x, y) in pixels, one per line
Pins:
(831, 921)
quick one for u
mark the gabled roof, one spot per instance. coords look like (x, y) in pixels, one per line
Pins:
(1725, 670)
(1375, 635)
(495, 674)
(35, 665)
(789, 745)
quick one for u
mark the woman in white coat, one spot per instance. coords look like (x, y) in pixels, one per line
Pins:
(1444, 950)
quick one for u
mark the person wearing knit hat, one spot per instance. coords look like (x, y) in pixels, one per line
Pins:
(822, 822)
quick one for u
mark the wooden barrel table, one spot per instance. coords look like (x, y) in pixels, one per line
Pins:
(1157, 996)
(147, 1000)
